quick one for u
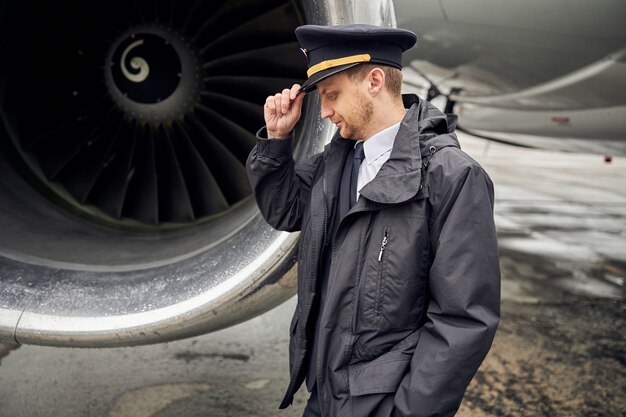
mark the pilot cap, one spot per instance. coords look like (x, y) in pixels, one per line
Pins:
(332, 49)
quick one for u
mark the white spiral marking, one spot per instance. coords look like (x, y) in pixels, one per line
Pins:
(137, 63)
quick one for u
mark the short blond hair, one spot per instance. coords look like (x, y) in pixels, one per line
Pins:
(393, 76)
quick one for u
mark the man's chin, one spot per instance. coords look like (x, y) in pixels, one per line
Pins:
(346, 132)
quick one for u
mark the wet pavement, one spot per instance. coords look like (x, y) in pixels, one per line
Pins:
(560, 349)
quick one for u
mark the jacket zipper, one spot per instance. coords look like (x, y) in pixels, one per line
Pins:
(379, 295)
(383, 245)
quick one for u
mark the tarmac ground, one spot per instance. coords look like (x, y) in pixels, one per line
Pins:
(560, 349)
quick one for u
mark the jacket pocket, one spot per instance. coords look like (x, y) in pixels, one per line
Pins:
(382, 375)
(373, 288)
(395, 271)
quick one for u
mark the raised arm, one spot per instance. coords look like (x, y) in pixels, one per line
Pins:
(281, 187)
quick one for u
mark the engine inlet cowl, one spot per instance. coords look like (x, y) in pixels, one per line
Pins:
(127, 217)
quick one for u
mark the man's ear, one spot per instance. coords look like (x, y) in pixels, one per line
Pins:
(376, 81)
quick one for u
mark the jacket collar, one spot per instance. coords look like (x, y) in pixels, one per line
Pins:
(422, 127)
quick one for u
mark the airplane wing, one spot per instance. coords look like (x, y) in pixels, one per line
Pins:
(523, 71)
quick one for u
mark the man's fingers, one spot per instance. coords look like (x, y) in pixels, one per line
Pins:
(285, 101)
(294, 91)
(277, 103)
(281, 102)
(281, 106)
(270, 104)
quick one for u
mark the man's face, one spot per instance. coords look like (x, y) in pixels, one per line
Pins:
(346, 104)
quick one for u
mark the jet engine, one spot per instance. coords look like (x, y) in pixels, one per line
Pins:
(127, 217)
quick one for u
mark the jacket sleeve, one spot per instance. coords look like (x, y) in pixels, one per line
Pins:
(281, 186)
(464, 305)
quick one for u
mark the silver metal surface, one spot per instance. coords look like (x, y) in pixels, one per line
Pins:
(544, 69)
(495, 48)
(375, 12)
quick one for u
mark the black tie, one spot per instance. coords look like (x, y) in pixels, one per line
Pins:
(359, 155)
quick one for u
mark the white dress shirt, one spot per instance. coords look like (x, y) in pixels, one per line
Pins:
(377, 150)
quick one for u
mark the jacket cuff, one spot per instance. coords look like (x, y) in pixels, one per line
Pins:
(273, 148)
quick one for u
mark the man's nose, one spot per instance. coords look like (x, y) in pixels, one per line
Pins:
(325, 111)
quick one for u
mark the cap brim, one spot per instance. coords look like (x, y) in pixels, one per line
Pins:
(311, 82)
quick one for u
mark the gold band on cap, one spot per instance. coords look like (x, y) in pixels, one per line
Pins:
(331, 63)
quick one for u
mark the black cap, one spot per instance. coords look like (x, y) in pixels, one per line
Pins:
(332, 49)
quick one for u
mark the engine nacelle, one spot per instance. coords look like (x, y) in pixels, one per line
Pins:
(124, 128)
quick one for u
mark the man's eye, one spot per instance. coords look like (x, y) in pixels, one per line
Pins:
(332, 97)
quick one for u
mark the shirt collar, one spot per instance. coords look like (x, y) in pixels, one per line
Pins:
(380, 143)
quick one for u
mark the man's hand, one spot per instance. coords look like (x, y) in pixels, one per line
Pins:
(282, 111)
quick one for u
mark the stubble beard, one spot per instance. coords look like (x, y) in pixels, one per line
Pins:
(356, 127)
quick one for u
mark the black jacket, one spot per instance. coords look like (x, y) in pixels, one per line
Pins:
(404, 327)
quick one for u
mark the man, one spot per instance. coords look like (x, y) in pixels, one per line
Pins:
(398, 277)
